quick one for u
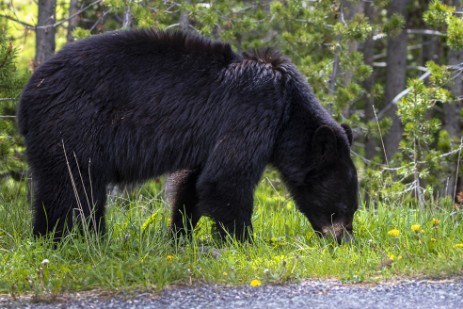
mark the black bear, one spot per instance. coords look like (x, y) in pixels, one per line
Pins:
(127, 106)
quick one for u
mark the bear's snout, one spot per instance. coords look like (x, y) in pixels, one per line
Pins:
(338, 232)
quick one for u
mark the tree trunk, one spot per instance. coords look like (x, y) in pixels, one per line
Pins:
(351, 9)
(45, 33)
(452, 122)
(72, 24)
(431, 48)
(184, 21)
(368, 85)
(127, 21)
(395, 78)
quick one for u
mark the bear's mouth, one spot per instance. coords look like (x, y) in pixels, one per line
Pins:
(339, 232)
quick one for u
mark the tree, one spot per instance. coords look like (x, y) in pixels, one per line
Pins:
(452, 111)
(395, 72)
(45, 31)
(73, 20)
(357, 55)
(11, 160)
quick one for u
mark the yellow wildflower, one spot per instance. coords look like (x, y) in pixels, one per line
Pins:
(416, 228)
(433, 239)
(458, 246)
(394, 232)
(225, 274)
(435, 221)
(392, 257)
(255, 282)
(170, 258)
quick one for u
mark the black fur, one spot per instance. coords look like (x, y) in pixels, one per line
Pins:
(127, 106)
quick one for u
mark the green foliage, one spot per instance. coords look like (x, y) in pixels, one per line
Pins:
(413, 110)
(437, 14)
(444, 141)
(11, 160)
(442, 16)
(455, 32)
(423, 144)
(80, 33)
(440, 75)
(394, 25)
(358, 28)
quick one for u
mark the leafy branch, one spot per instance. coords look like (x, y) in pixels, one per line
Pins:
(58, 23)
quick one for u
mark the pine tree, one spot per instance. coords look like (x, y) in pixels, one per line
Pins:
(11, 160)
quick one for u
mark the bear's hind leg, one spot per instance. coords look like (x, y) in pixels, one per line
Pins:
(58, 203)
(52, 207)
(184, 199)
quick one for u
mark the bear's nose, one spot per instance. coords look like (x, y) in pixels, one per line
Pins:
(339, 233)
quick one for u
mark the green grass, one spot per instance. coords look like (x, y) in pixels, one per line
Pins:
(137, 253)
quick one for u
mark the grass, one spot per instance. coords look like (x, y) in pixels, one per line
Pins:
(137, 254)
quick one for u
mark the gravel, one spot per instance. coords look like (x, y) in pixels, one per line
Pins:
(419, 293)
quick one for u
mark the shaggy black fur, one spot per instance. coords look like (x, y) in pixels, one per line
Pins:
(127, 106)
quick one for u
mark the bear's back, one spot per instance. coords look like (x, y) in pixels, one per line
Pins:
(114, 67)
(147, 43)
(129, 52)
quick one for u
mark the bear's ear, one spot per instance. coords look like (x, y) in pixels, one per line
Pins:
(324, 144)
(348, 131)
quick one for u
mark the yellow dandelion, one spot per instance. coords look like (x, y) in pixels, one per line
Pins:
(435, 221)
(394, 232)
(392, 257)
(416, 228)
(170, 258)
(458, 246)
(255, 282)
(225, 274)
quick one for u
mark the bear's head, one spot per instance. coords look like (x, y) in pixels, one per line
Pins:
(328, 192)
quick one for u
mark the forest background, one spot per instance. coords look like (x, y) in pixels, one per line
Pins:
(391, 69)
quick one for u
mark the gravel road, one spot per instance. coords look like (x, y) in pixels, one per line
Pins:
(419, 293)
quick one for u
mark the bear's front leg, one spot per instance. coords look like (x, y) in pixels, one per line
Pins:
(227, 181)
(230, 203)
